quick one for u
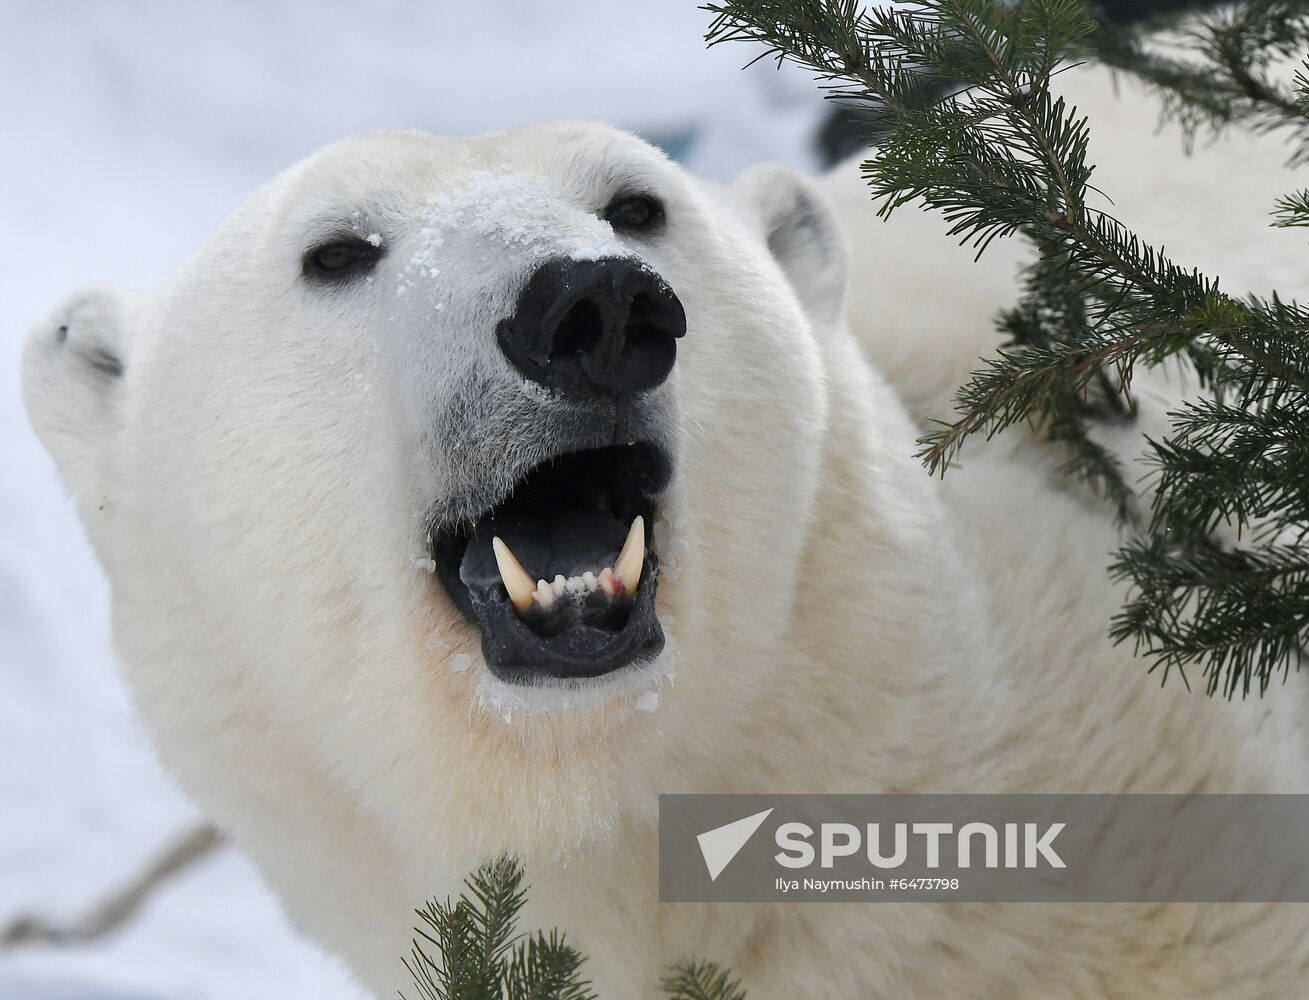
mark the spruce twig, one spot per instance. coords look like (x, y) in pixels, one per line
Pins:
(468, 949)
(972, 129)
(702, 981)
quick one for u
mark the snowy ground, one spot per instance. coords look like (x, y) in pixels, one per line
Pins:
(131, 129)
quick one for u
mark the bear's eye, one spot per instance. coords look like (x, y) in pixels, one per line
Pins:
(635, 213)
(341, 259)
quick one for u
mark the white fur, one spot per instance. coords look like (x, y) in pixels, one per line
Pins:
(256, 484)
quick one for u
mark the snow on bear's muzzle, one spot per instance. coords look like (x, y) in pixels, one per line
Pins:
(559, 578)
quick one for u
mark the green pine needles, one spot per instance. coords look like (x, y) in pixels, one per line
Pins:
(970, 126)
(478, 954)
(1222, 72)
(702, 981)
(469, 949)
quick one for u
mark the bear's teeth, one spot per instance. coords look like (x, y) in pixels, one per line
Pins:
(545, 595)
(621, 578)
(516, 581)
(628, 566)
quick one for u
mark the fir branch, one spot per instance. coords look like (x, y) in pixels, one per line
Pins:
(478, 956)
(1244, 613)
(702, 981)
(1245, 467)
(972, 130)
(1292, 210)
(1226, 75)
(544, 968)
(1015, 383)
(498, 896)
(467, 949)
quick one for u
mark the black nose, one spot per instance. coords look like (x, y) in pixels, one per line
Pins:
(588, 328)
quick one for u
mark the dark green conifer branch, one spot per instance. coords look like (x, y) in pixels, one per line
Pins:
(702, 981)
(971, 127)
(1226, 70)
(468, 949)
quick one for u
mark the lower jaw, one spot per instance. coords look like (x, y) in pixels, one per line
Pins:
(574, 715)
(515, 654)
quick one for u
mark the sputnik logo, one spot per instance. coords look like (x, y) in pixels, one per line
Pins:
(721, 844)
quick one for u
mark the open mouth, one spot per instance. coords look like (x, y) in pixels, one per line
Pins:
(559, 577)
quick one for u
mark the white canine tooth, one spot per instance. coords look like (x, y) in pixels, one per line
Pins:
(588, 580)
(516, 579)
(607, 582)
(628, 565)
(558, 585)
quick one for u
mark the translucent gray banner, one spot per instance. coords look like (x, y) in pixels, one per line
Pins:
(1021, 848)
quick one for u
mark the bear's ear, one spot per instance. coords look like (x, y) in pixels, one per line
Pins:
(801, 229)
(73, 370)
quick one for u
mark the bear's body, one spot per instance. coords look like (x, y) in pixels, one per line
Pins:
(257, 459)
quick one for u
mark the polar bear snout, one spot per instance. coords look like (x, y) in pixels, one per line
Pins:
(592, 329)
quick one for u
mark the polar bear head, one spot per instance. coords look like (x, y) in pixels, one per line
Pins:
(440, 467)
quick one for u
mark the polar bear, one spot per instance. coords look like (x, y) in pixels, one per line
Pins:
(461, 495)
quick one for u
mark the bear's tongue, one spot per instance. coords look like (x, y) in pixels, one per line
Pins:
(570, 566)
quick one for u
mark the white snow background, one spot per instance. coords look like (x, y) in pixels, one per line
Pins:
(130, 130)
